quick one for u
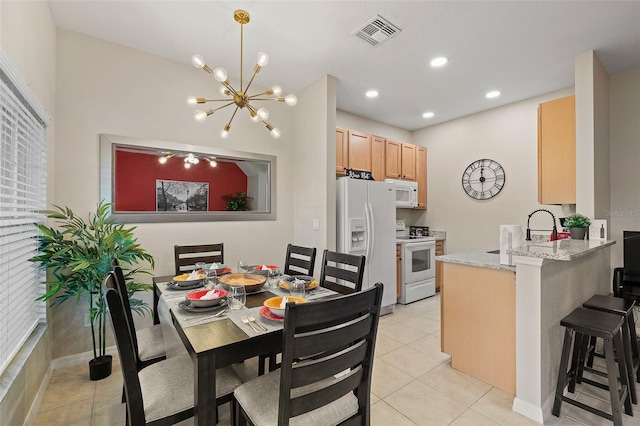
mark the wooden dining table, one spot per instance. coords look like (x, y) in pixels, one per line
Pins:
(221, 342)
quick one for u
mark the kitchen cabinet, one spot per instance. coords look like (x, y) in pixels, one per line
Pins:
(377, 157)
(393, 159)
(408, 162)
(342, 151)
(557, 151)
(359, 150)
(421, 176)
(398, 270)
(439, 252)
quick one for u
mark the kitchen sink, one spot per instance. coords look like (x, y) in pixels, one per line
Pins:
(494, 252)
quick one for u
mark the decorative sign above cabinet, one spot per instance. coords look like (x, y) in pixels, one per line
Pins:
(483, 179)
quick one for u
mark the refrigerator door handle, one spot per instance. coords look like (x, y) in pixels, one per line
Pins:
(371, 236)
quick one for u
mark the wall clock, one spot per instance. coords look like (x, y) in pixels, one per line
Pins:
(483, 179)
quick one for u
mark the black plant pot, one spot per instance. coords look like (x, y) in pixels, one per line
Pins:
(100, 368)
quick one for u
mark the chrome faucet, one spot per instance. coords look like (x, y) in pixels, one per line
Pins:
(555, 230)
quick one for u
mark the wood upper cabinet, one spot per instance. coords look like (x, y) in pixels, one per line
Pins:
(342, 151)
(393, 159)
(421, 176)
(359, 151)
(408, 162)
(557, 151)
(377, 157)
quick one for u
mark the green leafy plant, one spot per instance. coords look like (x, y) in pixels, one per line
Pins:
(238, 202)
(577, 221)
(78, 255)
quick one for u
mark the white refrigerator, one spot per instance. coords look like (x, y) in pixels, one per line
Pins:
(365, 224)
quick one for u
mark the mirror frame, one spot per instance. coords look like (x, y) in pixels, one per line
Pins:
(108, 144)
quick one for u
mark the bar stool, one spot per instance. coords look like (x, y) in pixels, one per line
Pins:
(624, 308)
(584, 323)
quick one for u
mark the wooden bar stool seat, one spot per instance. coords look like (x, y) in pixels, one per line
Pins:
(624, 308)
(580, 325)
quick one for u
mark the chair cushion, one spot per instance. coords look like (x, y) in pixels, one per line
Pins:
(168, 386)
(259, 399)
(150, 343)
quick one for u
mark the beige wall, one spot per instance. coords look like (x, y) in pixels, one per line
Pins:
(28, 39)
(592, 136)
(313, 174)
(107, 88)
(507, 135)
(624, 110)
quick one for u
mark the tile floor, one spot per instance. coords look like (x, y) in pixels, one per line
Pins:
(413, 384)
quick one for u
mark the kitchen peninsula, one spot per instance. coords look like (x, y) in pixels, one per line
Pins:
(501, 323)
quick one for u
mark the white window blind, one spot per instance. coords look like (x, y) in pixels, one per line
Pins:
(22, 192)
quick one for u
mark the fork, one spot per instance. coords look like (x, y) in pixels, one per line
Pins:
(252, 319)
(251, 324)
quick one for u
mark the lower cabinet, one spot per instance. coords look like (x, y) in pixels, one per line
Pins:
(398, 270)
(439, 252)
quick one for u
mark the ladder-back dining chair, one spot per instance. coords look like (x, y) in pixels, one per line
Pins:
(187, 256)
(327, 360)
(299, 260)
(161, 393)
(341, 272)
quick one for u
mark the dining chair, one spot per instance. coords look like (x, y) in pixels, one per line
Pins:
(299, 260)
(327, 360)
(187, 256)
(161, 393)
(341, 272)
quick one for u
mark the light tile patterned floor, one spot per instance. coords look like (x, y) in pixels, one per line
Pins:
(413, 384)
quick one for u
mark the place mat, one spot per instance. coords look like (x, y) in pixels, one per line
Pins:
(173, 285)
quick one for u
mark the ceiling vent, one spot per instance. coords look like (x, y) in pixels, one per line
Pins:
(376, 31)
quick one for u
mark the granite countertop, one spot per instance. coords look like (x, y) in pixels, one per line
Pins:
(481, 259)
(437, 235)
(566, 250)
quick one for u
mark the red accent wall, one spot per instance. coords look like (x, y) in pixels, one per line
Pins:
(136, 175)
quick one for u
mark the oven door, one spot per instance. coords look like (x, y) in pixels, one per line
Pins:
(419, 261)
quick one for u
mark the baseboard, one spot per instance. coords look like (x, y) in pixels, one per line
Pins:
(528, 410)
(79, 359)
(35, 406)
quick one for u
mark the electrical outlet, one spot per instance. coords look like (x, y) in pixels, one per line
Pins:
(316, 224)
(87, 321)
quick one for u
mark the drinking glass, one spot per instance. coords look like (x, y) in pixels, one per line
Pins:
(273, 277)
(212, 278)
(242, 266)
(296, 288)
(237, 296)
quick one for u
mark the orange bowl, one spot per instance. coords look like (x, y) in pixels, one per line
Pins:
(251, 282)
(195, 297)
(274, 303)
(182, 279)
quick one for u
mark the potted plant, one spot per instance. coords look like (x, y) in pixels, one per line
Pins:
(77, 257)
(238, 202)
(578, 226)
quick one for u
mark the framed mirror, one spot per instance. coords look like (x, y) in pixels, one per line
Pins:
(157, 181)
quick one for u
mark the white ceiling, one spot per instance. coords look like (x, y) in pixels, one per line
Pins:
(521, 48)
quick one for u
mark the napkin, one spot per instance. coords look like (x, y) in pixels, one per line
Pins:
(264, 268)
(211, 295)
(283, 304)
(194, 275)
(214, 265)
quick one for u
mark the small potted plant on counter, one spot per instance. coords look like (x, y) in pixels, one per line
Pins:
(578, 226)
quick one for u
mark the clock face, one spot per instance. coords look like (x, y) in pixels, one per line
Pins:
(483, 179)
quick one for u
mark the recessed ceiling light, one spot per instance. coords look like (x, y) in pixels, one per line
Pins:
(439, 61)
(492, 94)
(428, 114)
(372, 94)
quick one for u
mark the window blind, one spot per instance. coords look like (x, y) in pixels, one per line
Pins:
(22, 193)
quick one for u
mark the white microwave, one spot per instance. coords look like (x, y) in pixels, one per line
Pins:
(406, 193)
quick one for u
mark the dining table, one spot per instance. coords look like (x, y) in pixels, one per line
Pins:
(217, 341)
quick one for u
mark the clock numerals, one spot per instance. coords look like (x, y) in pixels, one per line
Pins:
(483, 179)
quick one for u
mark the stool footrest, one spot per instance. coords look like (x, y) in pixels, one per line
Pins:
(588, 408)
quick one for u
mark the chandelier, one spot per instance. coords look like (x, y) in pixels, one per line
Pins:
(189, 159)
(240, 98)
